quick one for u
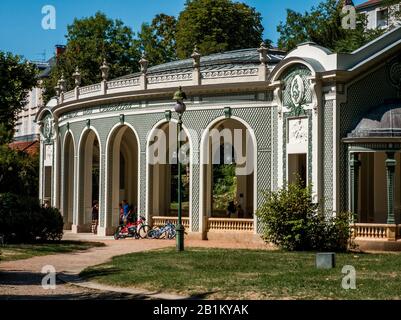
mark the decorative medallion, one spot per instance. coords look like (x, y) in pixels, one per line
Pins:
(167, 115)
(297, 90)
(395, 74)
(227, 112)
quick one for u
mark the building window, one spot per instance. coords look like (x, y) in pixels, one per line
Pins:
(382, 18)
(33, 98)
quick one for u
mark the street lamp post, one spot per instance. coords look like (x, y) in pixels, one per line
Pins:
(180, 107)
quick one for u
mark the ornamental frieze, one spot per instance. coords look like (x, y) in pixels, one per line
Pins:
(101, 109)
(230, 73)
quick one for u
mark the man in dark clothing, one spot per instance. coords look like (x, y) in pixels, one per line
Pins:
(231, 209)
(95, 216)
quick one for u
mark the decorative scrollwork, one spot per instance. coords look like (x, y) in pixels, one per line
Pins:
(170, 77)
(230, 73)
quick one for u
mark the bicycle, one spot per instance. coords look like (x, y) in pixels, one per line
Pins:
(136, 230)
(166, 232)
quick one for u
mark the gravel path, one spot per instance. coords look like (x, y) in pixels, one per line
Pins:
(22, 279)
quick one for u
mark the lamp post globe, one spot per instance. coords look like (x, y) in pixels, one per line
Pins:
(180, 107)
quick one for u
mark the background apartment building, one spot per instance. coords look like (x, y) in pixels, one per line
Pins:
(378, 15)
(26, 130)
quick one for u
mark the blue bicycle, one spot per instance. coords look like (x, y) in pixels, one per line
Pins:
(166, 232)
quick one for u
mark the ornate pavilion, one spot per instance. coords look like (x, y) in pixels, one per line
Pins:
(332, 119)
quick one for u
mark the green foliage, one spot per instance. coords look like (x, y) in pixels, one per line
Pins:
(23, 220)
(6, 134)
(216, 26)
(19, 172)
(293, 222)
(224, 185)
(323, 25)
(17, 78)
(89, 41)
(158, 39)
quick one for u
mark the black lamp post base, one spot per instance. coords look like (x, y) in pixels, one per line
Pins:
(180, 237)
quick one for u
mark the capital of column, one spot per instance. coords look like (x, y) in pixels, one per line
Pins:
(390, 161)
(354, 162)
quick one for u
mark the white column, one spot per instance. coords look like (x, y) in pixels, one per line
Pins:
(317, 134)
(41, 171)
(280, 138)
(75, 190)
(55, 174)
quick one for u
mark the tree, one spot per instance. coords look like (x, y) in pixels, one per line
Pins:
(17, 78)
(216, 26)
(89, 42)
(19, 172)
(394, 11)
(323, 25)
(157, 39)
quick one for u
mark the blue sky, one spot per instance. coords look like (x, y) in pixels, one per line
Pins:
(21, 31)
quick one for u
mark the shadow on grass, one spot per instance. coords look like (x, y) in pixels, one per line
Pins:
(93, 273)
(201, 296)
(34, 279)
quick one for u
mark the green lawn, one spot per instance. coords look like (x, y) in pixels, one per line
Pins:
(24, 251)
(174, 205)
(251, 274)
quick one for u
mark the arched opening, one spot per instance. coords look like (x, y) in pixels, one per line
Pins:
(89, 160)
(122, 174)
(228, 171)
(163, 172)
(68, 182)
(374, 167)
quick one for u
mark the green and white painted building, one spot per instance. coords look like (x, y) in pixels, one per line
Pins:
(333, 119)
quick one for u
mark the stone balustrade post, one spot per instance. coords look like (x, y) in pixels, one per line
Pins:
(263, 70)
(196, 74)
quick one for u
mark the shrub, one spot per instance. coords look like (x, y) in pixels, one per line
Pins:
(22, 219)
(293, 222)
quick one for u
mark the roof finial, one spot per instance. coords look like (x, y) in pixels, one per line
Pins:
(77, 77)
(144, 63)
(61, 83)
(105, 70)
(263, 53)
(196, 57)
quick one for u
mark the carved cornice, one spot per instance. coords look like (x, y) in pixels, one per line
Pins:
(187, 76)
(230, 73)
(123, 83)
